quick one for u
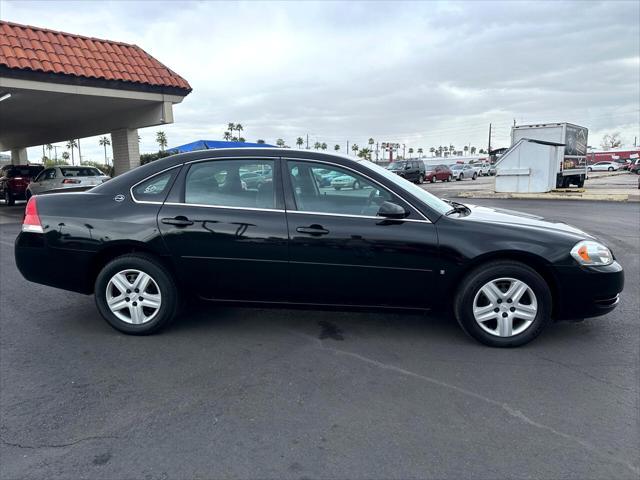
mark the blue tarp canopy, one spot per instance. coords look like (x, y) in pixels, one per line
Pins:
(211, 144)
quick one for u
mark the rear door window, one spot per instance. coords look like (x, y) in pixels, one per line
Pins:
(241, 183)
(154, 189)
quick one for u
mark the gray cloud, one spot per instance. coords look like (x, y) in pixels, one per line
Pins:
(422, 73)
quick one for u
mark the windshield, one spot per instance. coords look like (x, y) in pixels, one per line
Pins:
(430, 200)
(20, 171)
(396, 166)
(456, 167)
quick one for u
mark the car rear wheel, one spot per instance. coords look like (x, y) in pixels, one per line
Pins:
(590, 169)
(610, 169)
(449, 178)
(503, 304)
(475, 175)
(433, 179)
(460, 177)
(136, 295)
(8, 198)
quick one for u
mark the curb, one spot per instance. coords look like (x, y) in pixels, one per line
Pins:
(613, 197)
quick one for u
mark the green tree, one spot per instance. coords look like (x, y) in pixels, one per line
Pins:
(371, 141)
(104, 142)
(410, 151)
(355, 148)
(239, 128)
(323, 146)
(473, 150)
(280, 143)
(71, 145)
(65, 156)
(420, 151)
(49, 147)
(433, 151)
(299, 142)
(365, 153)
(465, 149)
(317, 145)
(161, 139)
(260, 141)
(336, 147)
(227, 135)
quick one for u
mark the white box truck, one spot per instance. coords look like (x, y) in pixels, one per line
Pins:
(571, 161)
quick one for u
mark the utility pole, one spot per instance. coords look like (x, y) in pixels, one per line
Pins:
(79, 154)
(403, 153)
(489, 151)
(376, 151)
(307, 141)
(55, 149)
(347, 147)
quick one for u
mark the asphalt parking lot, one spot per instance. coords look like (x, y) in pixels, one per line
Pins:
(272, 393)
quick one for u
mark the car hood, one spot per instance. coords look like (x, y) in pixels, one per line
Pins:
(522, 220)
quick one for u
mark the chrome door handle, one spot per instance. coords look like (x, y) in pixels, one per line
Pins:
(178, 221)
(315, 230)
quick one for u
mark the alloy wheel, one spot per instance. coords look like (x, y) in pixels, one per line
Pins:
(505, 307)
(133, 296)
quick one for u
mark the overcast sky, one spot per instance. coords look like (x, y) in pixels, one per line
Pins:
(420, 73)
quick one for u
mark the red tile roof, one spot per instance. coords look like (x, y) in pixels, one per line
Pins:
(37, 49)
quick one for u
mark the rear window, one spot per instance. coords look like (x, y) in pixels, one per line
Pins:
(26, 171)
(80, 172)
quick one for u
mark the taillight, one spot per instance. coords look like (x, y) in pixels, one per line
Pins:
(31, 222)
(70, 180)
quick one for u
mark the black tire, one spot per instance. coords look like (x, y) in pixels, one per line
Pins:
(460, 177)
(164, 280)
(610, 169)
(433, 179)
(590, 169)
(449, 178)
(475, 280)
(475, 176)
(420, 179)
(337, 188)
(8, 198)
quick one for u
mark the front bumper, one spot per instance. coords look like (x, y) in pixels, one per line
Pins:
(588, 291)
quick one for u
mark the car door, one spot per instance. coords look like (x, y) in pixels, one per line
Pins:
(342, 252)
(44, 181)
(228, 241)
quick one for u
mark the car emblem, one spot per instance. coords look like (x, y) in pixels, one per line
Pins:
(119, 198)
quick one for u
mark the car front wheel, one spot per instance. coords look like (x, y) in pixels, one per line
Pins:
(503, 304)
(449, 178)
(475, 175)
(610, 169)
(590, 169)
(136, 294)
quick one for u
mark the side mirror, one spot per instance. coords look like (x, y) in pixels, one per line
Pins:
(391, 210)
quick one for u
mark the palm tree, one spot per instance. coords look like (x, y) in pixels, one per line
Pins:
(466, 149)
(355, 148)
(231, 127)
(49, 147)
(227, 136)
(433, 151)
(317, 145)
(365, 153)
(71, 144)
(371, 142)
(336, 147)
(323, 146)
(103, 142)
(451, 149)
(420, 151)
(473, 150)
(410, 151)
(299, 142)
(239, 128)
(161, 138)
(260, 141)
(280, 143)
(65, 156)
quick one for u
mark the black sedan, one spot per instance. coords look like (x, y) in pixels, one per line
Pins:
(188, 226)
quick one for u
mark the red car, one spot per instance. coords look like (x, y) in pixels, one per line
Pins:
(14, 180)
(437, 172)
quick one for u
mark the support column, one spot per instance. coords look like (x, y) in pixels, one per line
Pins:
(19, 156)
(126, 151)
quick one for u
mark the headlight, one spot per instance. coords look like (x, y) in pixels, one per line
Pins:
(589, 252)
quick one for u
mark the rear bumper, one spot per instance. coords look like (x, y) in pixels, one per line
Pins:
(588, 292)
(60, 268)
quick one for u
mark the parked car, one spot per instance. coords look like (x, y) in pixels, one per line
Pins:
(325, 176)
(255, 180)
(483, 169)
(14, 180)
(437, 172)
(635, 166)
(603, 166)
(346, 181)
(492, 170)
(412, 170)
(62, 177)
(461, 171)
(168, 228)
